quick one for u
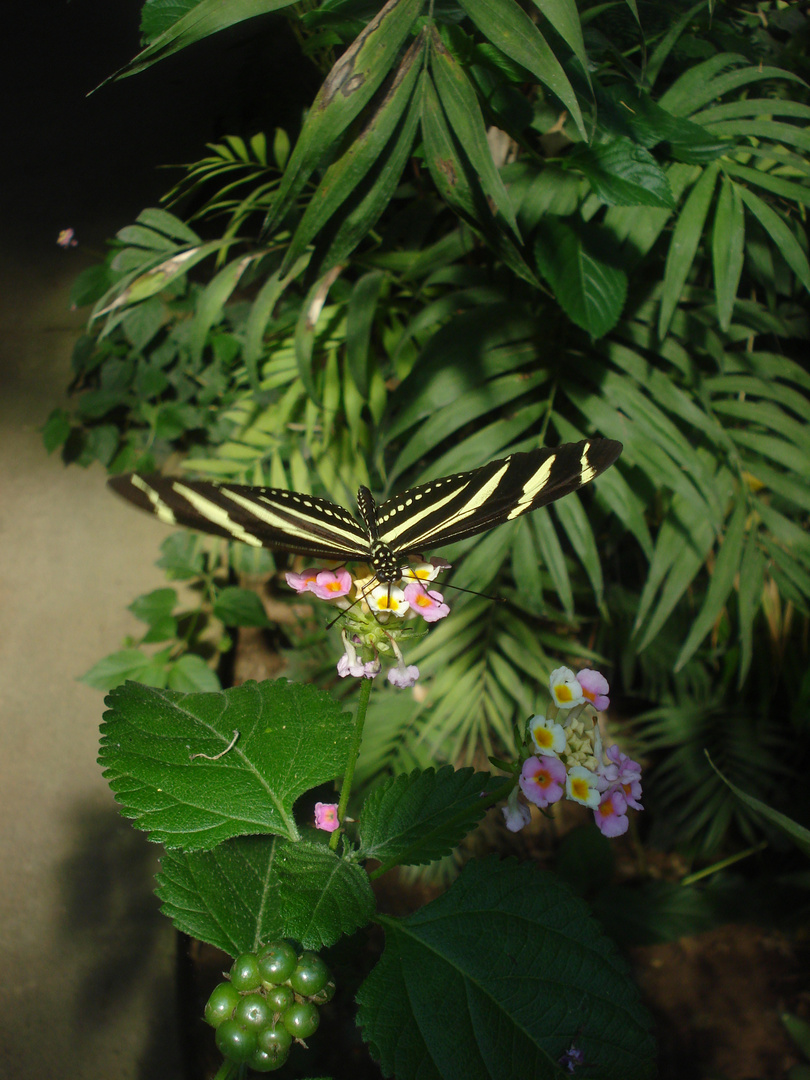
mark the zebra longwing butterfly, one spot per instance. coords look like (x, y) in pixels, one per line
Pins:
(412, 523)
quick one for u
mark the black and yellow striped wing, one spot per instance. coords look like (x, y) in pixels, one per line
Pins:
(454, 507)
(262, 517)
(413, 523)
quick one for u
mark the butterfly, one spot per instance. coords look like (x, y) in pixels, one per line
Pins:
(411, 523)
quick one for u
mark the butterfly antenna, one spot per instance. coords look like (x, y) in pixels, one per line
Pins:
(459, 588)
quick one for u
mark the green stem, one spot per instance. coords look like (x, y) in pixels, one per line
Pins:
(348, 776)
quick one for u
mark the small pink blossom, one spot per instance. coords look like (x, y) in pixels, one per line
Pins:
(330, 584)
(611, 814)
(326, 816)
(304, 581)
(542, 779)
(430, 605)
(594, 687)
(67, 239)
(516, 814)
(351, 664)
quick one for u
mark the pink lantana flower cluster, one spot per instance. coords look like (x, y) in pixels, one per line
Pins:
(567, 758)
(377, 615)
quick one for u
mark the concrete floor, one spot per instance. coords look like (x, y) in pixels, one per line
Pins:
(87, 960)
(87, 987)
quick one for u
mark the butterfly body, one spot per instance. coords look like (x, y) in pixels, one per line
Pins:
(412, 523)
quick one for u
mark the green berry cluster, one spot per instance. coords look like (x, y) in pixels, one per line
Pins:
(271, 998)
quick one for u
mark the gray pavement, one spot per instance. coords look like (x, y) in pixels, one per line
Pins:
(87, 987)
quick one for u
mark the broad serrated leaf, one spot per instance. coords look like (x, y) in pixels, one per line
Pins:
(289, 739)
(590, 291)
(191, 674)
(421, 817)
(622, 173)
(240, 607)
(154, 606)
(252, 889)
(497, 979)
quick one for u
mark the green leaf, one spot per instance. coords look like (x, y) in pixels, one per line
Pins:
(553, 558)
(211, 302)
(797, 833)
(252, 889)
(684, 244)
(787, 189)
(117, 668)
(749, 599)
(154, 606)
(322, 896)
(359, 323)
(509, 28)
(415, 819)
(240, 607)
(498, 978)
(577, 528)
(564, 17)
(460, 104)
(668, 41)
(726, 568)
(622, 173)
(290, 739)
(55, 430)
(381, 131)
(182, 556)
(347, 89)
(190, 674)
(786, 243)
(728, 245)
(590, 291)
(205, 18)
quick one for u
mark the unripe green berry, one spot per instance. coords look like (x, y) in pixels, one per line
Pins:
(280, 998)
(245, 972)
(275, 1039)
(220, 1005)
(262, 1061)
(235, 1042)
(310, 976)
(301, 1019)
(253, 1012)
(277, 962)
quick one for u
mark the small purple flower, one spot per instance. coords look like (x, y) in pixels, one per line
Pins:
(351, 664)
(572, 1058)
(326, 816)
(403, 676)
(611, 814)
(516, 813)
(542, 779)
(624, 775)
(67, 239)
(594, 687)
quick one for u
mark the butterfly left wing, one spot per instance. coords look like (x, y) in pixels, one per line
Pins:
(260, 516)
(454, 507)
